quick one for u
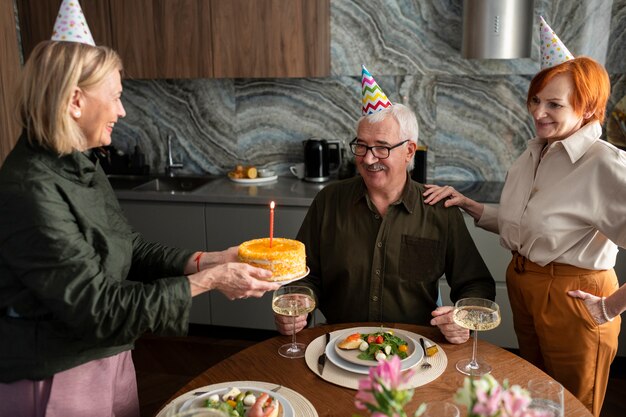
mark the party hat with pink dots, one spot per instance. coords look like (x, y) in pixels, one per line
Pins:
(553, 51)
(71, 25)
(374, 98)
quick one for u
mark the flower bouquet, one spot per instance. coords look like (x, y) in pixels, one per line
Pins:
(384, 393)
(485, 397)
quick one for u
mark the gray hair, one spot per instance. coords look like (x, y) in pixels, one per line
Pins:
(407, 121)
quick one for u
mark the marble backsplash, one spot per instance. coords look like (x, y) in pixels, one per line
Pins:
(471, 113)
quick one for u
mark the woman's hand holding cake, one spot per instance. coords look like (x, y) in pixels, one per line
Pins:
(224, 272)
(234, 280)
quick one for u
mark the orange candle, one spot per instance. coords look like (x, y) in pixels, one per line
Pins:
(272, 205)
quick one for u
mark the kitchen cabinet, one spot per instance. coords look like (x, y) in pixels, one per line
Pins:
(179, 225)
(163, 38)
(271, 38)
(200, 38)
(9, 74)
(228, 225)
(37, 18)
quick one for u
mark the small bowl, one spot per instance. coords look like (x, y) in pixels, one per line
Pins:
(265, 172)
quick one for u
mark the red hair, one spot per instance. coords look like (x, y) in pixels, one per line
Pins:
(592, 86)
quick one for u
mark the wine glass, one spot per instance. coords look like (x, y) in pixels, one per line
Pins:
(476, 314)
(439, 409)
(293, 301)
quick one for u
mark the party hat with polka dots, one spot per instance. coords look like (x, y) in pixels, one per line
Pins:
(374, 98)
(71, 25)
(553, 51)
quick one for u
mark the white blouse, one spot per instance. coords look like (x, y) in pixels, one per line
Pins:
(567, 207)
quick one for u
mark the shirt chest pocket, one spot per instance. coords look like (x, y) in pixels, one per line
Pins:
(420, 259)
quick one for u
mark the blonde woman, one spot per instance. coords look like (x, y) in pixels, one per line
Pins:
(77, 285)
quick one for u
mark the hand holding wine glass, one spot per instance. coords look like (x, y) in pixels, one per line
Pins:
(293, 301)
(475, 314)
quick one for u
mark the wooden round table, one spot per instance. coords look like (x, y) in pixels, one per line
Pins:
(262, 362)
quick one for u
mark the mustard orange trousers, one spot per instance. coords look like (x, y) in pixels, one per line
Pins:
(556, 333)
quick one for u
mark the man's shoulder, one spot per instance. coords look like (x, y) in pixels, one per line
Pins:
(344, 187)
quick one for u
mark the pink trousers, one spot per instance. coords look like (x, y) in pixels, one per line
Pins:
(100, 388)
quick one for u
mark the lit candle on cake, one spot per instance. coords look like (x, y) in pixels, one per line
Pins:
(272, 205)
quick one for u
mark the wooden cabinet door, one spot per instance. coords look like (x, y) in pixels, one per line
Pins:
(9, 74)
(37, 19)
(163, 38)
(271, 38)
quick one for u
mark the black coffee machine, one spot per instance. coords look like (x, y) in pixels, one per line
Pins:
(420, 164)
(320, 158)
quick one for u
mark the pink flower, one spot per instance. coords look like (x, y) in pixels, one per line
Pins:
(515, 401)
(488, 401)
(485, 397)
(383, 392)
(390, 373)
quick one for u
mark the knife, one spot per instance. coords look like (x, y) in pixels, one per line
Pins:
(321, 361)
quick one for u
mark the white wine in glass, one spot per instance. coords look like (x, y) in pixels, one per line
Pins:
(475, 314)
(293, 301)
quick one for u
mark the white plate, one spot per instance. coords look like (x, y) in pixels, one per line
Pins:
(198, 401)
(331, 354)
(254, 180)
(296, 278)
(351, 355)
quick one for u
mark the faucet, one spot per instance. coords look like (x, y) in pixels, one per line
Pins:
(171, 165)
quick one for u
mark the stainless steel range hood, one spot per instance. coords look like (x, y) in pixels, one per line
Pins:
(497, 29)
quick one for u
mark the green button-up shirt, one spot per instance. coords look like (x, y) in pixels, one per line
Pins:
(368, 267)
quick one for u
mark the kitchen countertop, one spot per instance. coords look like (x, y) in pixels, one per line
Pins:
(286, 191)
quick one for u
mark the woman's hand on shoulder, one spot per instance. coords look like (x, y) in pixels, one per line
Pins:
(436, 193)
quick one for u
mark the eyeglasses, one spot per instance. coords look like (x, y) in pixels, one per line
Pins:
(380, 152)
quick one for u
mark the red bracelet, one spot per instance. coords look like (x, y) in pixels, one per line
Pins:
(198, 261)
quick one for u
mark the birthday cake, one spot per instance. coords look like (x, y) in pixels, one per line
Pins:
(286, 258)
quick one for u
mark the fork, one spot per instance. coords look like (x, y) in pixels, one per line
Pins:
(275, 389)
(425, 364)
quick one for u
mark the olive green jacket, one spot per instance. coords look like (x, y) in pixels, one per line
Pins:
(76, 282)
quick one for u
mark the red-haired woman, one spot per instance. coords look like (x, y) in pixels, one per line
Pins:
(563, 220)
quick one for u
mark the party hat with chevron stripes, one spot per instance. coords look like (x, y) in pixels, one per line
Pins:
(553, 51)
(71, 25)
(374, 98)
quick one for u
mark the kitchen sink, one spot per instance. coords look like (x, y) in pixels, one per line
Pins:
(127, 182)
(175, 184)
(158, 184)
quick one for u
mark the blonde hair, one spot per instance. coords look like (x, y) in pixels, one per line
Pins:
(48, 80)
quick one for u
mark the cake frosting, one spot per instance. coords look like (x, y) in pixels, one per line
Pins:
(286, 258)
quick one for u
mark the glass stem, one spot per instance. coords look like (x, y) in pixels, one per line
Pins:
(474, 364)
(293, 335)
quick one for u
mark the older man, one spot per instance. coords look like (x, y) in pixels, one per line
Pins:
(375, 250)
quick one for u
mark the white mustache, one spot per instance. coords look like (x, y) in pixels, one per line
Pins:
(374, 167)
